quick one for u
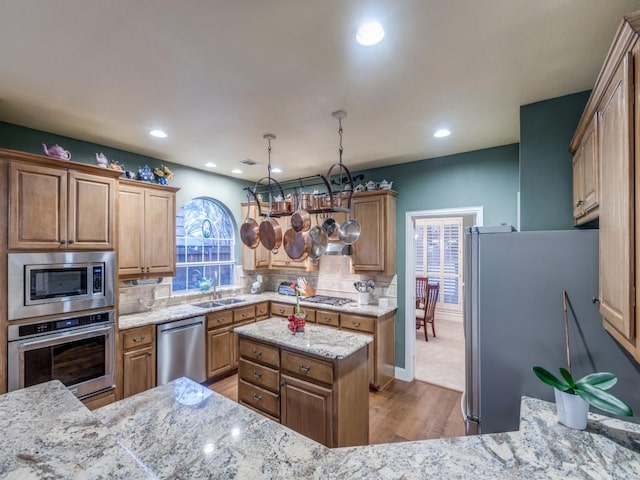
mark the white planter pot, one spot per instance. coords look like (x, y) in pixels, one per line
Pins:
(572, 410)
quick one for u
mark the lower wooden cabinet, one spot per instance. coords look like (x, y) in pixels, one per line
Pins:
(139, 360)
(222, 351)
(326, 400)
(100, 400)
(219, 359)
(307, 408)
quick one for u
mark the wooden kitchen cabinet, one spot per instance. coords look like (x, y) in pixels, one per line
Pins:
(54, 207)
(609, 127)
(586, 176)
(100, 400)
(219, 358)
(147, 229)
(139, 360)
(375, 250)
(222, 341)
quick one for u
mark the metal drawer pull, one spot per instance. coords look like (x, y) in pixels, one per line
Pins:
(257, 397)
(257, 374)
(304, 368)
(326, 319)
(136, 340)
(244, 314)
(356, 324)
(257, 353)
(282, 310)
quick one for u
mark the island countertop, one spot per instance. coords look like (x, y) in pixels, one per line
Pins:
(184, 430)
(319, 340)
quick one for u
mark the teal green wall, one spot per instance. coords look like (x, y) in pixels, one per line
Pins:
(546, 129)
(487, 178)
(192, 182)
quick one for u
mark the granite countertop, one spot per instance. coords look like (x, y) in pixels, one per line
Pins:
(178, 312)
(317, 339)
(46, 432)
(184, 430)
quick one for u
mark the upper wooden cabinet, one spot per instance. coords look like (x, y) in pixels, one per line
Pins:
(605, 175)
(375, 250)
(56, 205)
(146, 229)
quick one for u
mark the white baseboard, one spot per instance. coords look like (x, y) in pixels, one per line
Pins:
(402, 374)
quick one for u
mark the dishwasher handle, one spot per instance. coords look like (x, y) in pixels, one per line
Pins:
(181, 325)
(185, 327)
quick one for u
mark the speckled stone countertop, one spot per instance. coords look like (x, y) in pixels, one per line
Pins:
(184, 430)
(46, 432)
(178, 312)
(317, 339)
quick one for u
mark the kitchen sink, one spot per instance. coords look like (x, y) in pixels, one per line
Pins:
(218, 303)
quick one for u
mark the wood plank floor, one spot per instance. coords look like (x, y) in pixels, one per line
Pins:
(403, 412)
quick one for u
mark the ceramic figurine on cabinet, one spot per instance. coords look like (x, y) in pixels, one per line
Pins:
(114, 165)
(145, 174)
(56, 151)
(102, 160)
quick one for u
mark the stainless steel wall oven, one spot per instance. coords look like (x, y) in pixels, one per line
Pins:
(78, 351)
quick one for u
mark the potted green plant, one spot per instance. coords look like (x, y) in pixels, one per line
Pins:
(574, 397)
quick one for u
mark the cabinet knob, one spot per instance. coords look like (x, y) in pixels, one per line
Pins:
(257, 374)
(70, 241)
(257, 353)
(62, 242)
(244, 315)
(139, 339)
(148, 354)
(578, 203)
(257, 397)
(304, 368)
(595, 300)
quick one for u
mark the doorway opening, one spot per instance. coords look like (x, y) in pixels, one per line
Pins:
(434, 246)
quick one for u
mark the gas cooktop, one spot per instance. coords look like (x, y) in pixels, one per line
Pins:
(335, 301)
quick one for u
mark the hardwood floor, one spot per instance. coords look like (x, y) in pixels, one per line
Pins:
(404, 412)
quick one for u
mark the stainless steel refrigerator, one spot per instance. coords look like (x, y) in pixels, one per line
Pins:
(513, 319)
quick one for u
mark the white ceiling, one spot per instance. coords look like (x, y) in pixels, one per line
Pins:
(218, 74)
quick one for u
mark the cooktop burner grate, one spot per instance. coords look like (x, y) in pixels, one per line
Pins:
(336, 301)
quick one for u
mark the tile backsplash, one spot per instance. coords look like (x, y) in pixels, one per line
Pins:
(334, 278)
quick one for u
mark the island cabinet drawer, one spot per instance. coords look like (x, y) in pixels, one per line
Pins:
(306, 367)
(259, 398)
(138, 337)
(328, 318)
(356, 322)
(311, 314)
(259, 375)
(259, 352)
(244, 313)
(219, 319)
(262, 310)
(281, 309)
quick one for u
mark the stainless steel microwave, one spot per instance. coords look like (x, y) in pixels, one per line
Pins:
(54, 283)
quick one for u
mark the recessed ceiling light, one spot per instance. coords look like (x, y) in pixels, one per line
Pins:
(276, 170)
(236, 170)
(443, 132)
(370, 33)
(210, 165)
(158, 134)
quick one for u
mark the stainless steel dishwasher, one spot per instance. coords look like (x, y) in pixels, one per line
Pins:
(181, 350)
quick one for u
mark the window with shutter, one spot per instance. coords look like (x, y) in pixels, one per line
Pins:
(439, 257)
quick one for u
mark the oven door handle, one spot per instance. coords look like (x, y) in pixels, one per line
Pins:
(92, 332)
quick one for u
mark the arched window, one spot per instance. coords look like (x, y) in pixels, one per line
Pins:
(205, 245)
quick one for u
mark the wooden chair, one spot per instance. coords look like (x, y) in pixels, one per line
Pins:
(427, 313)
(421, 290)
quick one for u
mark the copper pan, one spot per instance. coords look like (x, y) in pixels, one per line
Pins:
(297, 244)
(270, 234)
(301, 220)
(250, 233)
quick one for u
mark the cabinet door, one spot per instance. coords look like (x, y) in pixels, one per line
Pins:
(578, 180)
(282, 260)
(138, 371)
(37, 207)
(235, 353)
(160, 228)
(91, 211)
(307, 408)
(615, 132)
(368, 251)
(218, 352)
(591, 168)
(130, 229)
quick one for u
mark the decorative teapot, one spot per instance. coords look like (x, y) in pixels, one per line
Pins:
(56, 151)
(384, 185)
(145, 174)
(371, 185)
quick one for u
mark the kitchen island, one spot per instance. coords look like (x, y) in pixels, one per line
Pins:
(184, 430)
(314, 382)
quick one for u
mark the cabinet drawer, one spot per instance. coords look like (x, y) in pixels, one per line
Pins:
(244, 313)
(219, 319)
(259, 352)
(306, 367)
(311, 314)
(259, 398)
(328, 318)
(262, 310)
(281, 310)
(356, 322)
(259, 375)
(137, 337)
(100, 400)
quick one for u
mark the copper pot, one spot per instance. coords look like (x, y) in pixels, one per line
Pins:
(297, 244)
(301, 221)
(250, 233)
(270, 234)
